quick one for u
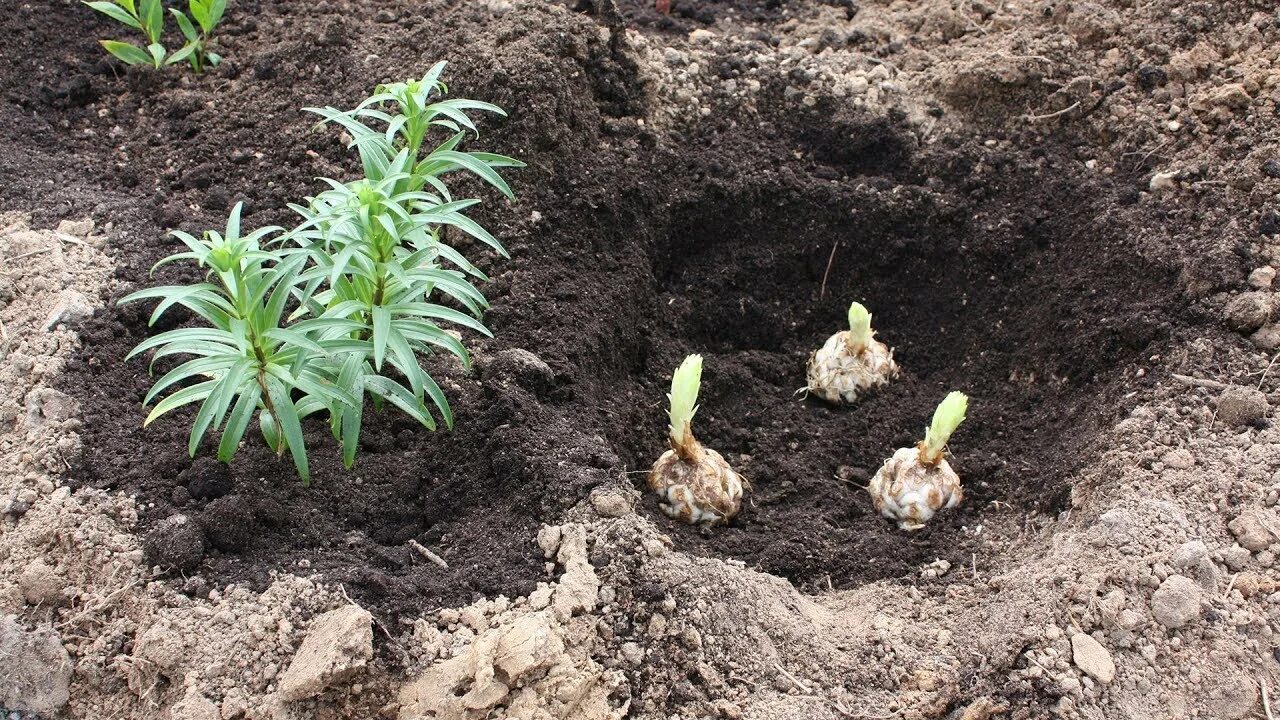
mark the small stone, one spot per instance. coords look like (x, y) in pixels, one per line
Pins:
(339, 643)
(1091, 657)
(653, 547)
(520, 367)
(657, 626)
(1176, 602)
(1233, 95)
(76, 228)
(549, 540)
(1271, 168)
(1151, 77)
(1238, 406)
(1250, 529)
(1262, 278)
(610, 503)
(1249, 311)
(72, 307)
(632, 653)
(1163, 181)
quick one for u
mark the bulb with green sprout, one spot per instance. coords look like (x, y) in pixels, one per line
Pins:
(917, 481)
(850, 362)
(695, 482)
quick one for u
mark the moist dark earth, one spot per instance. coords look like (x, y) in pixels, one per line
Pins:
(1006, 275)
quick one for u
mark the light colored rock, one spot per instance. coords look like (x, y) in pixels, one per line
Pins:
(1176, 602)
(1163, 181)
(72, 307)
(1180, 459)
(1251, 529)
(339, 643)
(35, 670)
(1091, 657)
(1189, 554)
(46, 405)
(549, 540)
(527, 666)
(76, 228)
(1262, 278)
(529, 645)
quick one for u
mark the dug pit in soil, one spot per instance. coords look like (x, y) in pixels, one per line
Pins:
(1032, 302)
(997, 276)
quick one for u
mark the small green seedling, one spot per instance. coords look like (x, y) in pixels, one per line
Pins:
(207, 14)
(851, 362)
(148, 17)
(695, 483)
(917, 482)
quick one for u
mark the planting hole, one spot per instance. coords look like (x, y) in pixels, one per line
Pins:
(1007, 286)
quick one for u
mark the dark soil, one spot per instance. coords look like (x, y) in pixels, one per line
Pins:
(1009, 277)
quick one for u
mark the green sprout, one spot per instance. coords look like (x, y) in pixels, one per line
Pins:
(946, 419)
(859, 328)
(148, 17)
(685, 383)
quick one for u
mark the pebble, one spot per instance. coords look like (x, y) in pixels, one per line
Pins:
(1250, 529)
(1091, 657)
(1262, 278)
(1163, 181)
(339, 643)
(1177, 602)
(1235, 557)
(41, 585)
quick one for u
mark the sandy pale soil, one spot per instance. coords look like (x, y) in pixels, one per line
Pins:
(1067, 209)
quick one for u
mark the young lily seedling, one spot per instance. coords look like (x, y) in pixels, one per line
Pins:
(917, 481)
(850, 362)
(696, 484)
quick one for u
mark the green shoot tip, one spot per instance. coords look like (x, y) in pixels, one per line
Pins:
(859, 327)
(685, 383)
(948, 416)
